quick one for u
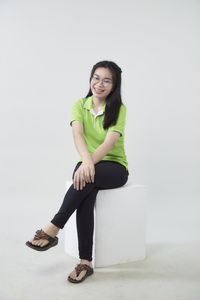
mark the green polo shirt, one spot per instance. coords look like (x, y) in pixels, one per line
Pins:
(94, 133)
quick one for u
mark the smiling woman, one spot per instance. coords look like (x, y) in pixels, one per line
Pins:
(96, 79)
(98, 128)
(91, 127)
(101, 84)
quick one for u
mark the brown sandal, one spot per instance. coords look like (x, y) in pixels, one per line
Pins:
(40, 234)
(79, 268)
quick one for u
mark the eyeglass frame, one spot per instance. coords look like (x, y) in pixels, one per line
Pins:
(104, 83)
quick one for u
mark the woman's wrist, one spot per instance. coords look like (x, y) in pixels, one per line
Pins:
(88, 159)
(93, 158)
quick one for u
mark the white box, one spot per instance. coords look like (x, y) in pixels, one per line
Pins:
(119, 226)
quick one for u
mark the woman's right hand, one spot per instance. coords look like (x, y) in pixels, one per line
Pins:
(88, 170)
(85, 173)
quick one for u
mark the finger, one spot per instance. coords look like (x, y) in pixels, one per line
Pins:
(81, 180)
(82, 183)
(77, 182)
(83, 176)
(93, 174)
(86, 180)
(88, 176)
(74, 182)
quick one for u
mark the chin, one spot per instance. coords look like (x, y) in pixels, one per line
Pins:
(98, 95)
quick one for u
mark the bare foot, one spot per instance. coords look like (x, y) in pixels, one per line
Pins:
(51, 230)
(82, 273)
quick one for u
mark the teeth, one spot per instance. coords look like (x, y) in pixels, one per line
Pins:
(98, 90)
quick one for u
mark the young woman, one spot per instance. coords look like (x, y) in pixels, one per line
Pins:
(98, 123)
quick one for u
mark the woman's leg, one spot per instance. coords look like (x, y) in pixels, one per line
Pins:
(85, 225)
(73, 198)
(71, 201)
(108, 174)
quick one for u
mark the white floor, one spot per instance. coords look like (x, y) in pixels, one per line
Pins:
(170, 271)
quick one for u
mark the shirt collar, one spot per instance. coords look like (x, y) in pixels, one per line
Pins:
(89, 104)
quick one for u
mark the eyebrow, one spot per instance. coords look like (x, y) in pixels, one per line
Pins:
(104, 78)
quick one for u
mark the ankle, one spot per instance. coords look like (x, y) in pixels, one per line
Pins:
(51, 229)
(85, 261)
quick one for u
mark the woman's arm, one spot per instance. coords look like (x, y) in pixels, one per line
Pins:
(78, 135)
(106, 146)
(86, 170)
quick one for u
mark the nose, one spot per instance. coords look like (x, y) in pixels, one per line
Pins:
(100, 84)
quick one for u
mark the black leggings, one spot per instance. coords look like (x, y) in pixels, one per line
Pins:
(108, 175)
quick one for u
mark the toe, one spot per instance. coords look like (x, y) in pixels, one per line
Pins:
(81, 275)
(40, 242)
(44, 243)
(31, 240)
(36, 242)
(73, 274)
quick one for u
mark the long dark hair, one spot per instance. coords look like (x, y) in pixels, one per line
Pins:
(113, 100)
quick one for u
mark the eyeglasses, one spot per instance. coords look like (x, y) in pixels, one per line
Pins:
(106, 82)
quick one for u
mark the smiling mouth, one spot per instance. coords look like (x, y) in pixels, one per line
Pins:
(98, 90)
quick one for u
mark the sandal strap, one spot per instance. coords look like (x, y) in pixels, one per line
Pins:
(40, 234)
(81, 267)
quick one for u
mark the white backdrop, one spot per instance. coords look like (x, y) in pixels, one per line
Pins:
(47, 51)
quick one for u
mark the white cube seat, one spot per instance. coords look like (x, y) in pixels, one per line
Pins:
(119, 226)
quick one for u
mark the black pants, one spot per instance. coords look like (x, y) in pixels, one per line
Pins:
(108, 175)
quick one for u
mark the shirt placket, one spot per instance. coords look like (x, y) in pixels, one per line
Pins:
(96, 115)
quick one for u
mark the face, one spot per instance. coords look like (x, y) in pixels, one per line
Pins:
(101, 84)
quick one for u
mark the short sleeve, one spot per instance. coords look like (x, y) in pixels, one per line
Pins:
(120, 124)
(76, 112)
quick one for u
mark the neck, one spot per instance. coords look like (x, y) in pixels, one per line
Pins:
(98, 101)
